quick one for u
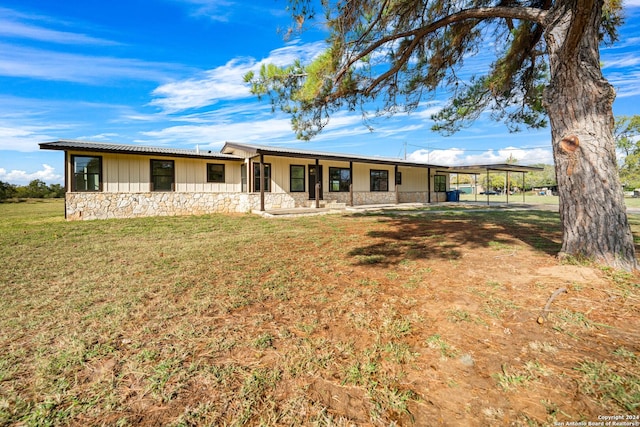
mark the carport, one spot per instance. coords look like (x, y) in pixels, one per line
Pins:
(507, 168)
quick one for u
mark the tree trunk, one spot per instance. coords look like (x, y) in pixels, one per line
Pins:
(579, 102)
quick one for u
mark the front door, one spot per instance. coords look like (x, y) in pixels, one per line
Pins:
(315, 176)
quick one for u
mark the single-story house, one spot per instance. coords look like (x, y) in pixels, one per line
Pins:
(104, 180)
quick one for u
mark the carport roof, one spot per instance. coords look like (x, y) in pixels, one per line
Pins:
(500, 167)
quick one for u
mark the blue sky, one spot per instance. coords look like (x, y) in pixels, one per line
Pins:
(169, 73)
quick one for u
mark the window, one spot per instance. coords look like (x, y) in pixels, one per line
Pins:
(243, 177)
(339, 179)
(296, 178)
(256, 177)
(439, 183)
(162, 175)
(398, 178)
(87, 173)
(215, 172)
(379, 180)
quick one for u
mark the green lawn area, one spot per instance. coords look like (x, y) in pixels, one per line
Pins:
(335, 320)
(534, 199)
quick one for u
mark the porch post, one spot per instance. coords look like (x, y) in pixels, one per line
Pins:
(523, 188)
(428, 185)
(262, 182)
(395, 182)
(350, 183)
(68, 167)
(318, 186)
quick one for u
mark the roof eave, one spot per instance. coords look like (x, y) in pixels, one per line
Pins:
(66, 145)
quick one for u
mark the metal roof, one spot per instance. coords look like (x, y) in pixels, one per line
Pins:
(105, 147)
(226, 153)
(500, 167)
(255, 150)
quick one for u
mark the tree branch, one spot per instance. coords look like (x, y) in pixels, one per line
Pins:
(523, 13)
(581, 16)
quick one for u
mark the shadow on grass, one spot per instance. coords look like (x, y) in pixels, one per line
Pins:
(443, 235)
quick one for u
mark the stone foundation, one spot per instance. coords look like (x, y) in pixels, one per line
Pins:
(81, 206)
(86, 206)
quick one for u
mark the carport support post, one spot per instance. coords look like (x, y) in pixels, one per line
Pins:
(506, 185)
(523, 187)
(475, 186)
(487, 189)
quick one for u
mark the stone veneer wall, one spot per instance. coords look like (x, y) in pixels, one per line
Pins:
(131, 205)
(385, 197)
(421, 197)
(85, 206)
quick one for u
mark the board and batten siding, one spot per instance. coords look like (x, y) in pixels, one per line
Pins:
(122, 173)
(362, 176)
(414, 179)
(281, 172)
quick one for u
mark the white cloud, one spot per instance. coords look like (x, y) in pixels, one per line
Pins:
(215, 135)
(47, 174)
(216, 10)
(49, 65)
(22, 139)
(427, 110)
(459, 157)
(107, 136)
(227, 10)
(626, 84)
(226, 82)
(14, 29)
(621, 61)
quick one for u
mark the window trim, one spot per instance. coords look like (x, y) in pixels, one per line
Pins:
(244, 180)
(303, 179)
(257, 179)
(341, 184)
(173, 175)
(74, 187)
(372, 179)
(224, 172)
(438, 185)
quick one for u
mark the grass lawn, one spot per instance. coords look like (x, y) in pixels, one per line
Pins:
(533, 199)
(426, 318)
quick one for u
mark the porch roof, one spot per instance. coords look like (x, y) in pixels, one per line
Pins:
(267, 150)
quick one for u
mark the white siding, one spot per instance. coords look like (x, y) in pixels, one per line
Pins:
(413, 179)
(124, 173)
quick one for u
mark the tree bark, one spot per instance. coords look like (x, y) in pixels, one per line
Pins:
(579, 103)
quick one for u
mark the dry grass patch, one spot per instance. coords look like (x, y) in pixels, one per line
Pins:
(325, 320)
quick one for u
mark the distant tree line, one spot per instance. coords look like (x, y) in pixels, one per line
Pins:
(36, 189)
(627, 134)
(498, 180)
